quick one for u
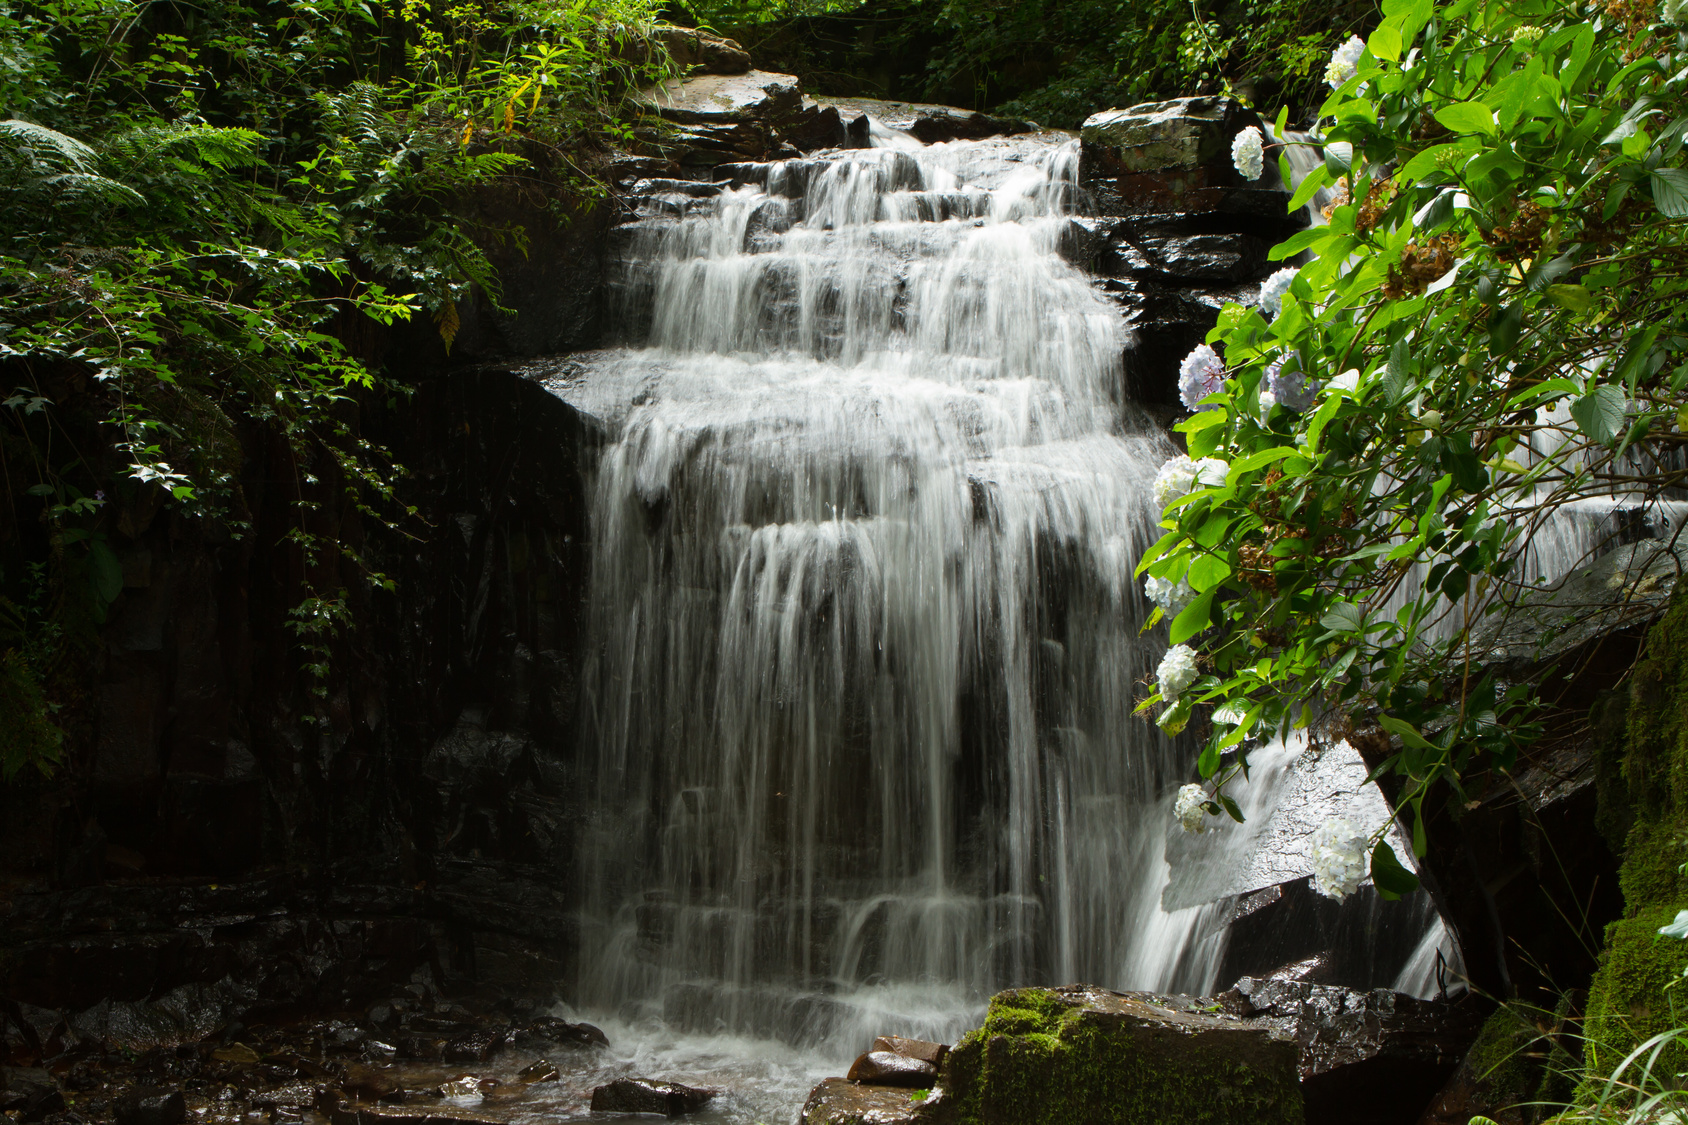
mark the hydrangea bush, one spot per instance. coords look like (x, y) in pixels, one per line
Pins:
(1490, 326)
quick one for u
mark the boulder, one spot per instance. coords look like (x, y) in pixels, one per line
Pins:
(645, 1095)
(1354, 1046)
(886, 1068)
(727, 99)
(370, 1084)
(838, 1101)
(1184, 133)
(1083, 1054)
(702, 52)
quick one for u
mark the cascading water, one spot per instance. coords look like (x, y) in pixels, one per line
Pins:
(866, 630)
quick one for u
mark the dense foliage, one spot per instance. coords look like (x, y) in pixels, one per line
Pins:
(196, 205)
(1491, 330)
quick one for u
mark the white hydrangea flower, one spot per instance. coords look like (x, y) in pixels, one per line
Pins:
(1200, 375)
(1289, 386)
(1529, 33)
(1339, 852)
(1248, 152)
(1170, 596)
(1191, 816)
(1345, 61)
(1275, 288)
(1181, 476)
(1177, 671)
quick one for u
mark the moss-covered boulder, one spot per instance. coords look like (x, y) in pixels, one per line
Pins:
(1628, 1002)
(1087, 1056)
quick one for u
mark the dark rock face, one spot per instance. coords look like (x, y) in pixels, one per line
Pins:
(645, 1095)
(1181, 231)
(887, 1068)
(703, 52)
(1366, 1058)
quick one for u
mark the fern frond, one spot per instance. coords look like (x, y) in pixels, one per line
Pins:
(93, 186)
(47, 148)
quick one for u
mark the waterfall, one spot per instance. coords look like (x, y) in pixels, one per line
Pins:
(866, 637)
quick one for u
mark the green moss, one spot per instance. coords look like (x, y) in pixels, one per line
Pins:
(1500, 1057)
(1628, 1001)
(1046, 1058)
(27, 735)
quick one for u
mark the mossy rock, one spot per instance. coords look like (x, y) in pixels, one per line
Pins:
(1631, 999)
(1628, 999)
(1079, 1055)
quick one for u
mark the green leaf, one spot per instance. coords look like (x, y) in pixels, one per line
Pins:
(1208, 764)
(1315, 180)
(1670, 191)
(1573, 297)
(1391, 879)
(1505, 327)
(1231, 808)
(1600, 413)
(1409, 733)
(1193, 618)
(1206, 572)
(106, 571)
(1467, 117)
(1343, 617)
(1385, 42)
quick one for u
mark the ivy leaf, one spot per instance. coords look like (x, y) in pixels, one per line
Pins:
(1600, 413)
(1391, 879)
(1670, 191)
(1467, 117)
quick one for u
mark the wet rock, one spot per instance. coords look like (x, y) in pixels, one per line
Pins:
(29, 1092)
(555, 1030)
(1353, 1045)
(1082, 1053)
(370, 1084)
(921, 1049)
(237, 1054)
(338, 1111)
(542, 1071)
(475, 1046)
(838, 1101)
(294, 1095)
(153, 1107)
(820, 127)
(645, 1095)
(886, 1068)
(463, 1086)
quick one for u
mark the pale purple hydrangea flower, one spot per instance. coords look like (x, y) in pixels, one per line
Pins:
(1200, 375)
(1289, 385)
(1274, 289)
